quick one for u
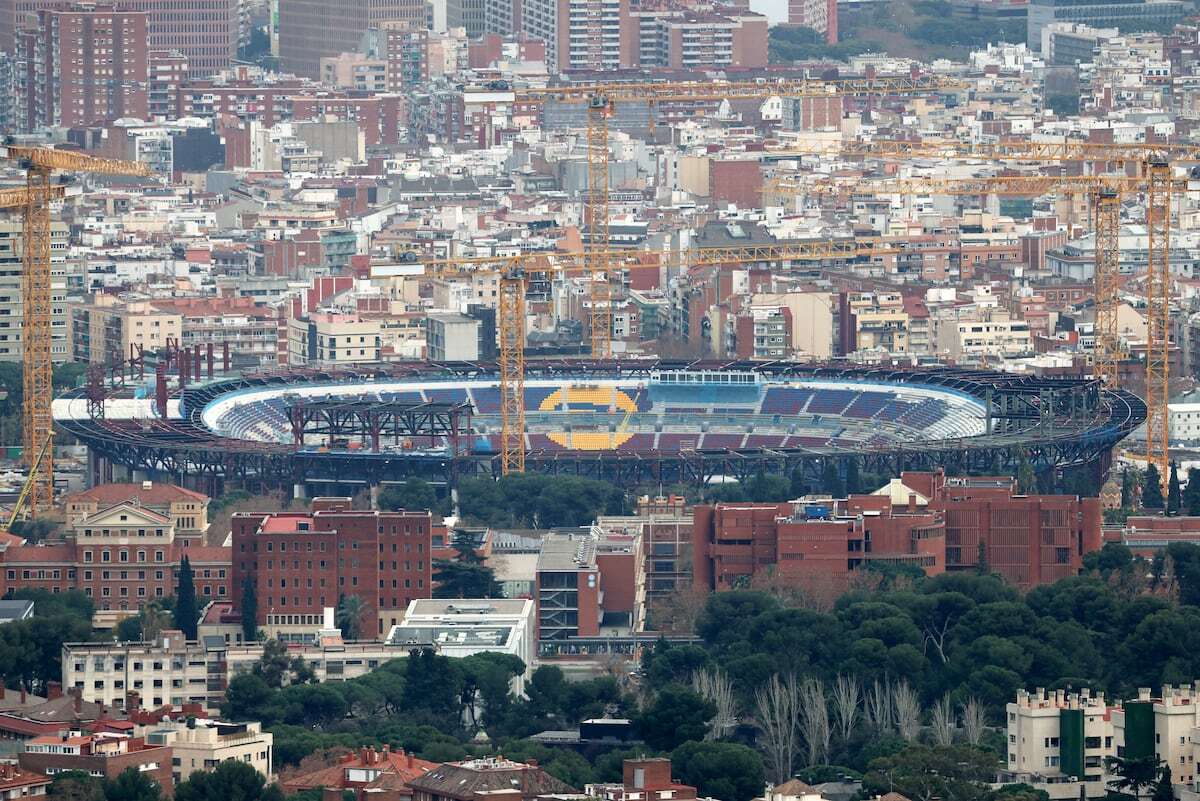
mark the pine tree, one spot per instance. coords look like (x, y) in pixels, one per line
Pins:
(249, 611)
(1191, 493)
(1152, 497)
(1128, 488)
(832, 482)
(1027, 483)
(187, 615)
(853, 478)
(1174, 499)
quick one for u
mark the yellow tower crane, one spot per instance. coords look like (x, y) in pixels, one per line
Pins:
(516, 271)
(601, 100)
(34, 200)
(1156, 181)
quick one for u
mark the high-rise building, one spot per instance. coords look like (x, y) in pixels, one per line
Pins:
(820, 15)
(11, 311)
(168, 71)
(82, 65)
(310, 30)
(204, 31)
(582, 35)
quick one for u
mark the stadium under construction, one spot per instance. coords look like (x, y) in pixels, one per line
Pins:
(632, 423)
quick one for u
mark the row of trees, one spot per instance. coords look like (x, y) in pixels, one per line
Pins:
(229, 781)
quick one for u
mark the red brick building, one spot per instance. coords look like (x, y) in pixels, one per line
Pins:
(818, 546)
(302, 563)
(83, 65)
(922, 519)
(105, 755)
(122, 553)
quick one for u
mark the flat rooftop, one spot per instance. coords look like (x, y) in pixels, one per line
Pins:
(446, 607)
(562, 552)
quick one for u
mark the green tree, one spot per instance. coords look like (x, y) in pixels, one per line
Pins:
(187, 614)
(675, 716)
(229, 781)
(246, 698)
(923, 773)
(75, 785)
(132, 785)
(1163, 789)
(1129, 488)
(249, 610)
(350, 610)
(853, 478)
(1152, 497)
(1174, 499)
(1133, 775)
(457, 579)
(729, 771)
(831, 480)
(1026, 477)
(432, 685)
(1018, 792)
(146, 625)
(415, 493)
(1191, 493)
(278, 668)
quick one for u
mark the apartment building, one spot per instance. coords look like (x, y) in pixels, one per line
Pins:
(310, 30)
(761, 332)
(102, 755)
(105, 329)
(174, 671)
(82, 65)
(334, 339)
(880, 321)
(452, 337)
(301, 564)
(16, 784)
(249, 330)
(200, 744)
(986, 333)
(1059, 741)
(355, 71)
(12, 252)
(205, 32)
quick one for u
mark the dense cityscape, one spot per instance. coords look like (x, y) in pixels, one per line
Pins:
(614, 400)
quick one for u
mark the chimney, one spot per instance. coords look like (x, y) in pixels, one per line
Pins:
(23, 696)
(364, 756)
(78, 701)
(53, 690)
(912, 502)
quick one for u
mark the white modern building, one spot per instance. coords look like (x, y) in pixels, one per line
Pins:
(458, 628)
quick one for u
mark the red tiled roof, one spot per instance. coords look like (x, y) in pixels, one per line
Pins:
(206, 553)
(404, 767)
(37, 554)
(158, 493)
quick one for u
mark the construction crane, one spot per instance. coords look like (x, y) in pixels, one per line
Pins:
(515, 273)
(1156, 180)
(19, 507)
(1007, 150)
(39, 164)
(601, 100)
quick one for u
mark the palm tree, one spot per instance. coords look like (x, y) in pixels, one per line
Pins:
(349, 616)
